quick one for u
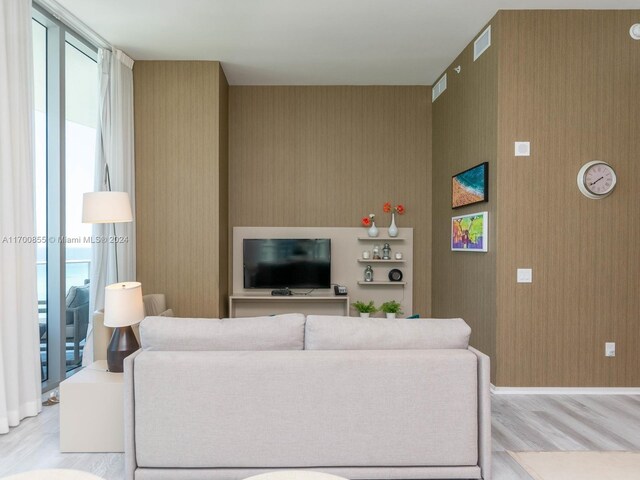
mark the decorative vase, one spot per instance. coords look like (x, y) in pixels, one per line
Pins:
(373, 230)
(364, 314)
(368, 274)
(391, 316)
(393, 230)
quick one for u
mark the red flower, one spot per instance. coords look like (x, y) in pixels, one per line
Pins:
(366, 222)
(386, 207)
(400, 209)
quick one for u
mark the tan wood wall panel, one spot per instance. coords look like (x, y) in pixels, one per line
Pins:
(223, 197)
(569, 83)
(178, 183)
(326, 156)
(464, 135)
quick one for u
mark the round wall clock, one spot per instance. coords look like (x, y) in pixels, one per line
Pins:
(395, 275)
(596, 179)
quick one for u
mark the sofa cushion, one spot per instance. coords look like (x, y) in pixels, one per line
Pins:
(353, 333)
(280, 332)
(154, 303)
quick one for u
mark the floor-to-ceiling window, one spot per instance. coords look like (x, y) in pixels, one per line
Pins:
(40, 131)
(81, 112)
(66, 104)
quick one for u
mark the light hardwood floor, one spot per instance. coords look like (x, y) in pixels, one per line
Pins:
(520, 422)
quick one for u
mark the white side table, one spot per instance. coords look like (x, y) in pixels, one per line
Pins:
(92, 410)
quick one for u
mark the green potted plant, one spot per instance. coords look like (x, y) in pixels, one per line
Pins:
(365, 309)
(391, 308)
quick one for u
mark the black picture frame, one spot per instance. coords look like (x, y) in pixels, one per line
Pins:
(460, 197)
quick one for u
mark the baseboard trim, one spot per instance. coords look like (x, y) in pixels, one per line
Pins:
(565, 390)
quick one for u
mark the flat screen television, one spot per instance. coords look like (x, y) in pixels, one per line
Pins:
(287, 263)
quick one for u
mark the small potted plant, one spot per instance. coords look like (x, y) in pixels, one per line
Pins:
(391, 308)
(365, 309)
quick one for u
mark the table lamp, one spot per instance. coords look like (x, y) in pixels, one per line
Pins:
(123, 307)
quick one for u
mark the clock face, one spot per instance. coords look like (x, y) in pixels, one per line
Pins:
(596, 179)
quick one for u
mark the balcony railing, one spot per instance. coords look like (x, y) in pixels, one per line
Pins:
(77, 274)
(81, 274)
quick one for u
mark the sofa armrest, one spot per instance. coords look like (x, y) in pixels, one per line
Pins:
(130, 463)
(484, 413)
(101, 336)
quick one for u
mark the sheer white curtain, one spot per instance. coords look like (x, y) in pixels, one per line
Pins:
(115, 147)
(20, 387)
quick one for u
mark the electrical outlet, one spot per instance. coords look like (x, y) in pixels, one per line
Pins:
(610, 349)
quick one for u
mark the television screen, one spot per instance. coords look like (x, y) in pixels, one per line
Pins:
(285, 262)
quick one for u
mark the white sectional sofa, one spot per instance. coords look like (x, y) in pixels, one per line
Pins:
(359, 398)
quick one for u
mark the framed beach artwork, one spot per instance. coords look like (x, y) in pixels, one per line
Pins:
(469, 232)
(470, 186)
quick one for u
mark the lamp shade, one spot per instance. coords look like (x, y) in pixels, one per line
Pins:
(106, 207)
(123, 304)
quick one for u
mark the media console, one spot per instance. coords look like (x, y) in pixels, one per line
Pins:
(260, 305)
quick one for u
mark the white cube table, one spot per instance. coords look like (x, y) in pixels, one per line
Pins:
(92, 411)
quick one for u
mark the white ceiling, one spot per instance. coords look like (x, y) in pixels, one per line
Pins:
(304, 42)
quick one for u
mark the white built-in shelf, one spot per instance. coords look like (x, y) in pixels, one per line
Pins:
(362, 282)
(381, 239)
(289, 298)
(362, 260)
(252, 304)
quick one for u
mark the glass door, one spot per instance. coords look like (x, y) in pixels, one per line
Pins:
(66, 116)
(81, 116)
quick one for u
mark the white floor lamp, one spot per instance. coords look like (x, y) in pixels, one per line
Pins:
(122, 308)
(107, 207)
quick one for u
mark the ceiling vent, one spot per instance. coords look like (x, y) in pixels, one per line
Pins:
(482, 43)
(438, 88)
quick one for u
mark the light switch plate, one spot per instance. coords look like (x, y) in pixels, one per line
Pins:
(610, 349)
(522, 149)
(524, 275)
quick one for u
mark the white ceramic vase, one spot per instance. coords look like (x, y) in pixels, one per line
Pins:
(393, 229)
(391, 316)
(364, 314)
(373, 230)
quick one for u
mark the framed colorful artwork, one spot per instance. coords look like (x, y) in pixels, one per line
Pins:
(469, 232)
(470, 186)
